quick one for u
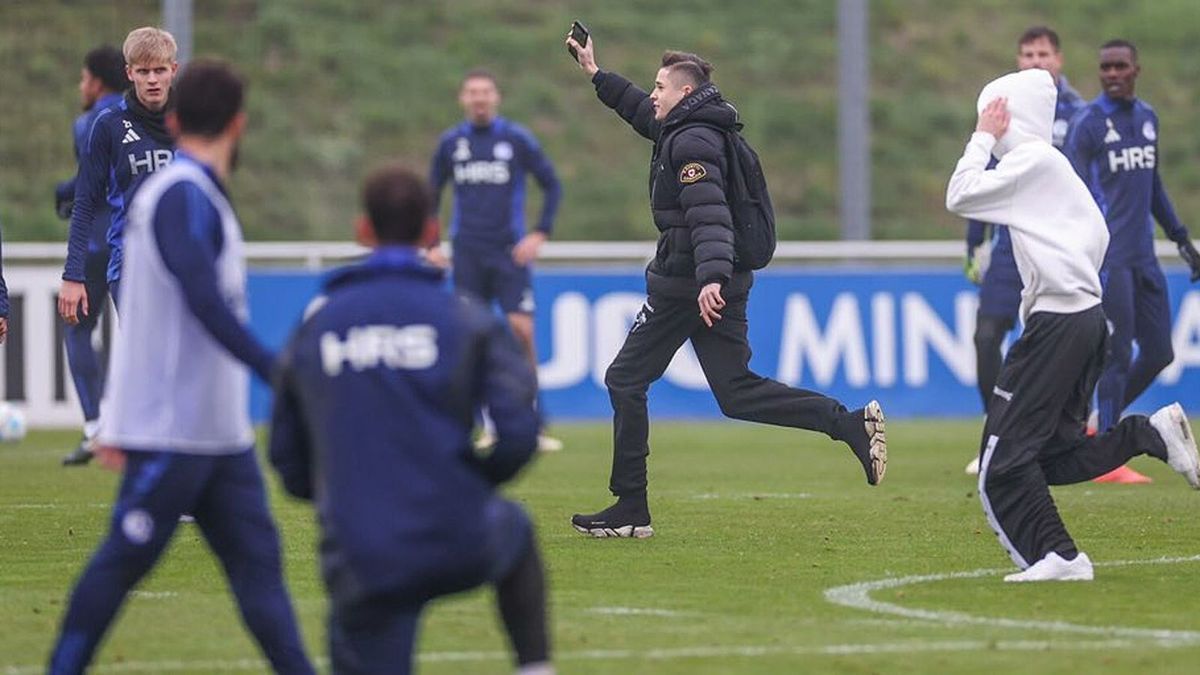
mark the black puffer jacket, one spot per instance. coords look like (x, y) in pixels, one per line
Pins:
(687, 188)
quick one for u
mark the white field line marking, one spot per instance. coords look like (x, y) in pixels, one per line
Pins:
(637, 611)
(730, 651)
(854, 595)
(753, 495)
(858, 596)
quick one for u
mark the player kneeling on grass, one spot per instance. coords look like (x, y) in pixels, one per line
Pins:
(373, 414)
(1035, 430)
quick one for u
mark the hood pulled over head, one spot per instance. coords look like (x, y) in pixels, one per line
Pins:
(1031, 98)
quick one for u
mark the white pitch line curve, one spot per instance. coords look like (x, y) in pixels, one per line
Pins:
(858, 596)
(660, 654)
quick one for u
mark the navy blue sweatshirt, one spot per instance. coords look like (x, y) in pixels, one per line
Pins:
(1113, 145)
(374, 405)
(488, 166)
(119, 154)
(65, 191)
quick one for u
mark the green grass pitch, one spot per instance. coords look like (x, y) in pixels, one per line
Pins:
(753, 526)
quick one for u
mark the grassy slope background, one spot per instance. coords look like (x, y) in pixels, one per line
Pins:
(339, 86)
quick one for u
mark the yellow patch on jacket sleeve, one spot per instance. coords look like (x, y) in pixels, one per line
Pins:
(691, 172)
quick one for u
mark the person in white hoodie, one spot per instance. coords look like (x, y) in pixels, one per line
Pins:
(1034, 435)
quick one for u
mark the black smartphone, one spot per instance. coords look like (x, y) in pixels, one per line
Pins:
(581, 36)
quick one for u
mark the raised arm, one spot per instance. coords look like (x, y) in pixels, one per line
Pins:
(631, 103)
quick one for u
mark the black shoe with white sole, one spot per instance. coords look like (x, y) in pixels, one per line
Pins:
(629, 517)
(863, 430)
(82, 454)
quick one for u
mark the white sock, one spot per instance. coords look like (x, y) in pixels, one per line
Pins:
(539, 668)
(90, 428)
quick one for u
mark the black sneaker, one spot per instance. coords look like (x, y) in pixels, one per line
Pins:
(82, 454)
(629, 517)
(863, 431)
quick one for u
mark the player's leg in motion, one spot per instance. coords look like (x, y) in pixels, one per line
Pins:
(1044, 368)
(155, 489)
(660, 328)
(83, 360)
(232, 514)
(372, 635)
(1152, 321)
(520, 581)
(514, 291)
(1120, 298)
(724, 354)
(990, 332)
(1035, 437)
(1118, 307)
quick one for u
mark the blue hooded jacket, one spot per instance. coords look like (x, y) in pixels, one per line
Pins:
(375, 402)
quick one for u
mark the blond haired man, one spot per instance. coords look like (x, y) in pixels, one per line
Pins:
(126, 143)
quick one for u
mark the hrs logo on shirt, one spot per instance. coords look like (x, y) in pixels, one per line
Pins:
(149, 161)
(367, 347)
(494, 172)
(1130, 159)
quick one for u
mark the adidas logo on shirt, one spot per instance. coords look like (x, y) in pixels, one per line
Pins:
(1112, 136)
(130, 137)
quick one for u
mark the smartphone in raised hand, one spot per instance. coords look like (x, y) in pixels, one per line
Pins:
(580, 34)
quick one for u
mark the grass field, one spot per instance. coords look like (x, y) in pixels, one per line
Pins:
(754, 527)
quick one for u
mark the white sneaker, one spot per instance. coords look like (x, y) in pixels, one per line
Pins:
(1172, 425)
(545, 443)
(972, 467)
(1054, 568)
(549, 443)
(485, 441)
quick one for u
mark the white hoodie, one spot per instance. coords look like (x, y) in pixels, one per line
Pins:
(1058, 233)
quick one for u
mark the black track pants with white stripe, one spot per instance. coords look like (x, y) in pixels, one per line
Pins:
(1035, 436)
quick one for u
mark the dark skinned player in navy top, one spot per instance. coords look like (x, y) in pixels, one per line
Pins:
(1000, 284)
(1113, 145)
(101, 81)
(127, 143)
(488, 157)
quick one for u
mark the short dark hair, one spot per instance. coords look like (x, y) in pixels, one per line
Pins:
(1037, 33)
(208, 95)
(1118, 42)
(398, 202)
(107, 64)
(479, 74)
(695, 69)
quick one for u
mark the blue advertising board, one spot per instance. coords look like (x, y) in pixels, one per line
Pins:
(902, 335)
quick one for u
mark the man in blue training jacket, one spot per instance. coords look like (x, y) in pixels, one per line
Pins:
(101, 82)
(1113, 146)
(488, 157)
(373, 415)
(176, 415)
(127, 142)
(999, 283)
